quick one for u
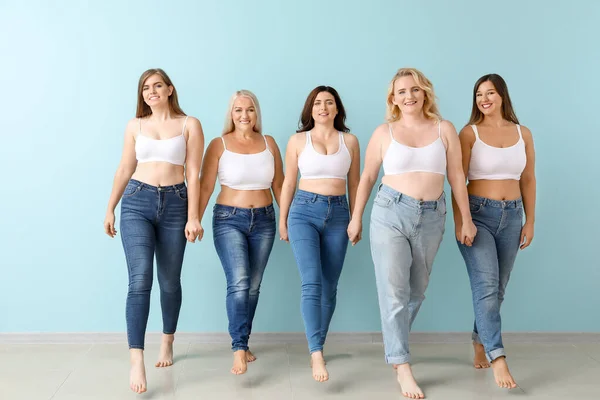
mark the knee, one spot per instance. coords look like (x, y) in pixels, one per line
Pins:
(170, 285)
(140, 286)
(238, 285)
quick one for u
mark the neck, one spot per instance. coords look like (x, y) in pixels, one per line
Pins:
(494, 120)
(161, 113)
(324, 130)
(246, 133)
(410, 120)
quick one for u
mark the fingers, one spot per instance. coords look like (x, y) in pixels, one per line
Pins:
(109, 229)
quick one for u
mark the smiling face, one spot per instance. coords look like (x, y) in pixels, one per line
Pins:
(487, 99)
(324, 108)
(408, 96)
(243, 113)
(156, 92)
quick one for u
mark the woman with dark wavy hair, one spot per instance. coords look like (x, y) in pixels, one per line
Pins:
(328, 158)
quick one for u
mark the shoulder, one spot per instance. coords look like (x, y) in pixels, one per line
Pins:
(350, 139)
(192, 122)
(526, 132)
(297, 139)
(133, 127)
(467, 134)
(270, 140)
(381, 131)
(216, 145)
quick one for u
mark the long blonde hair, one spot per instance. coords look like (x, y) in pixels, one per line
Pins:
(143, 109)
(430, 109)
(229, 126)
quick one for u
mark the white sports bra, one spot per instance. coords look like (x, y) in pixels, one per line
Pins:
(496, 163)
(172, 150)
(246, 171)
(314, 165)
(399, 158)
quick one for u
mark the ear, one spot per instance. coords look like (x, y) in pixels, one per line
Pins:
(170, 90)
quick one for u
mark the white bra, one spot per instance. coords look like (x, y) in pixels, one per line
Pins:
(399, 158)
(172, 150)
(314, 165)
(496, 163)
(246, 171)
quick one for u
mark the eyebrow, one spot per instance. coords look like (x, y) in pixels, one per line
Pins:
(411, 88)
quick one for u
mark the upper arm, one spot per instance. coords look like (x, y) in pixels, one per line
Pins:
(128, 157)
(210, 164)
(374, 152)
(195, 145)
(291, 158)
(453, 147)
(277, 156)
(529, 170)
(354, 148)
(467, 139)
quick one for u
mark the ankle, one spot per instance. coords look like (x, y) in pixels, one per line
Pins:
(168, 338)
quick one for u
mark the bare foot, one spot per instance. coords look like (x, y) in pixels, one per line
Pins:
(165, 357)
(137, 376)
(240, 365)
(503, 377)
(317, 363)
(480, 360)
(407, 382)
(249, 356)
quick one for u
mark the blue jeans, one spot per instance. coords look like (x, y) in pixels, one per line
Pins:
(243, 239)
(317, 228)
(489, 263)
(405, 236)
(153, 223)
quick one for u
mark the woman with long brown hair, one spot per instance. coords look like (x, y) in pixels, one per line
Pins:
(162, 150)
(328, 159)
(499, 160)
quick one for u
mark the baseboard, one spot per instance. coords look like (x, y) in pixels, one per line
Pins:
(295, 337)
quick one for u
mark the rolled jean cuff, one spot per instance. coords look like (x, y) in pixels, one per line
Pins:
(494, 354)
(238, 348)
(136, 346)
(315, 349)
(397, 359)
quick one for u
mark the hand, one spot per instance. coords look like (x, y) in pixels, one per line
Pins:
(283, 232)
(109, 224)
(526, 235)
(355, 231)
(193, 230)
(467, 233)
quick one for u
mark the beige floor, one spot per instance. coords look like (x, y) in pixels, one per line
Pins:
(100, 371)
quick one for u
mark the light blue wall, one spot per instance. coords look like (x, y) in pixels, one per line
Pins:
(69, 72)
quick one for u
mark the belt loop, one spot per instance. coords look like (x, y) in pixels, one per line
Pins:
(234, 210)
(314, 198)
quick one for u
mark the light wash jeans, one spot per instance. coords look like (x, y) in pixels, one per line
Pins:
(489, 263)
(405, 236)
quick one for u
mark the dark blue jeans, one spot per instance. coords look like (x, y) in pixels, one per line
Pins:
(243, 239)
(317, 228)
(489, 263)
(153, 223)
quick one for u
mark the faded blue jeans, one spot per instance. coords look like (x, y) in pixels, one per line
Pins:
(317, 229)
(405, 236)
(153, 223)
(243, 239)
(489, 263)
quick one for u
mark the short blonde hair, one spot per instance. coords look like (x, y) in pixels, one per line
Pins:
(229, 125)
(430, 109)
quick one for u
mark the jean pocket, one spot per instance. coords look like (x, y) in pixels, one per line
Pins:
(182, 193)
(475, 207)
(131, 189)
(382, 201)
(442, 210)
(219, 213)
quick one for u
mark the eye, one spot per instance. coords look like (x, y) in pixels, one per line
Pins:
(401, 92)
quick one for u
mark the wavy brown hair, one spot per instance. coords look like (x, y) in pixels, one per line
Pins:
(508, 113)
(307, 122)
(430, 108)
(143, 109)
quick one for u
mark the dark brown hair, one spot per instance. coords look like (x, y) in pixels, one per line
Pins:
(508, 113)
(307, 122)
(143, 109)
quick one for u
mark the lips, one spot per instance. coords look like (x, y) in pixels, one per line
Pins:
(410, 103)
(486, 105)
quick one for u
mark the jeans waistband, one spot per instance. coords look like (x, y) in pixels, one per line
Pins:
(170, 188)
(314, 197)
(403, 198)
(250, 211)
(518, 203)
